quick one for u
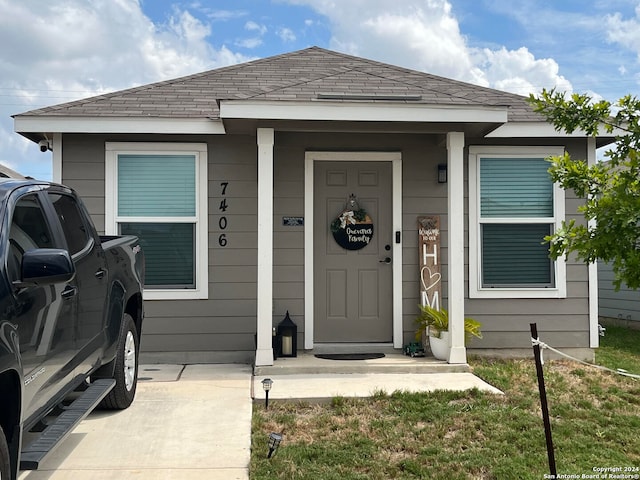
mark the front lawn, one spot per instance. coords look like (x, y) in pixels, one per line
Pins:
(466, 435)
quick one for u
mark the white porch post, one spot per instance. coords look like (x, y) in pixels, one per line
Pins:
(455, 245)
(264, 352)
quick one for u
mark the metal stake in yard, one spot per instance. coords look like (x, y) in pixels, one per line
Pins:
(543, 399)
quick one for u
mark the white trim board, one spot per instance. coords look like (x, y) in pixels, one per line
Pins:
(354, 112)
(38, 124)
(396, 192)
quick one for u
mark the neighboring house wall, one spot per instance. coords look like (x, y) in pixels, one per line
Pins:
(222, 327)
(618, 308)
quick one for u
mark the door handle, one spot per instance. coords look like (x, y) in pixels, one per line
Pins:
(69, 291)
(386, 260)
(100, 273)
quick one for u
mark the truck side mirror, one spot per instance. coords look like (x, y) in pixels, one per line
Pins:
(44, 266)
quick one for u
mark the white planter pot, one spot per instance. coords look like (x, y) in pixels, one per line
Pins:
(440, 346)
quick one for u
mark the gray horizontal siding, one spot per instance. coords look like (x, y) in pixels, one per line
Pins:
(226, 321)
(623, 304)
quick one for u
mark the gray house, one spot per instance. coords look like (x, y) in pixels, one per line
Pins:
(620, 307)
(296, 183)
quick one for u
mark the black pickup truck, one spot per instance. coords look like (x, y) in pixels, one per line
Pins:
(70, 319)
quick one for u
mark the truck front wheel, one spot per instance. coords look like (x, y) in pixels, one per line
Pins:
(4, 457)
(125, 370)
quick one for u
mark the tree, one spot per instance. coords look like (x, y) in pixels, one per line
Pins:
(611, 189)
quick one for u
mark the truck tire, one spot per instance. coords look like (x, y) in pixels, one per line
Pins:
(125, 370)
(5, 468)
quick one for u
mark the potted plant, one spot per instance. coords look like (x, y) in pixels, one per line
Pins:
(436, 324)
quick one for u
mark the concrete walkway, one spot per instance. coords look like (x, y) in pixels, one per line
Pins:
(187, 422)
(323, 387)
(193, 422)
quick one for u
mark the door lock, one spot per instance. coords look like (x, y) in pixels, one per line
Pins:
(386, 260)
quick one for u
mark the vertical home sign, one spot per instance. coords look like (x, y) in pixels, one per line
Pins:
(430, 274)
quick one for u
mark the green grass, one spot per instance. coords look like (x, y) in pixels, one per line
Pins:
(465, 435)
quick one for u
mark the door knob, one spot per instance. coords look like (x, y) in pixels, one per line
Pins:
(386, 260)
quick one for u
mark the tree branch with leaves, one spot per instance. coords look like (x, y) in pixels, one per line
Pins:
(611, 189)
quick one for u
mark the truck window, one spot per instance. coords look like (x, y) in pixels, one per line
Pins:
(29, 230)
(71, 220)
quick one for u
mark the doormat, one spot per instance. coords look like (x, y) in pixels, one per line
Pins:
(349, 356)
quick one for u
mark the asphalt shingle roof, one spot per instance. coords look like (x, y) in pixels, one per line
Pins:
(304, 75)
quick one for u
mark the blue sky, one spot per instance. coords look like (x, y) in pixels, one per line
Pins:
(53, 52)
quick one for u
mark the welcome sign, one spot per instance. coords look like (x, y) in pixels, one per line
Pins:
(430, 274)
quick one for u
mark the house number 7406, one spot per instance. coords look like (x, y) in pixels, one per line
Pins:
(222, 222)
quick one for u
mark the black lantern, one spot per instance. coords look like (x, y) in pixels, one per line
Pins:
(287, 338)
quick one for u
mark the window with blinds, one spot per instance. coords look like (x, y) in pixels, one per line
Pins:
(516, 213)
(157, 191)
(157, 203)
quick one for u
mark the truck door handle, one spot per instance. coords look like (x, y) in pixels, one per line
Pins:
(386, 260)
(100, 273)
(69, 291)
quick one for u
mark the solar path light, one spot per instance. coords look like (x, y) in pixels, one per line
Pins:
(267, 383)
(274, 443)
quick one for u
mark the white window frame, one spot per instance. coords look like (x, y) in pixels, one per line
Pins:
(199, 150)
(475, 255)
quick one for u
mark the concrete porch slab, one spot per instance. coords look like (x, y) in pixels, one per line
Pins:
(307, 363)
(309, 378)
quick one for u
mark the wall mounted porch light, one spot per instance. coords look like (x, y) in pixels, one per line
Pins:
(274, 443)
(442, 173)
(267, 383)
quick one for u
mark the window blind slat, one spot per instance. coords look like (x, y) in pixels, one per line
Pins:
(156, 185)
(515, 187)
(514, 254)
(169, 250)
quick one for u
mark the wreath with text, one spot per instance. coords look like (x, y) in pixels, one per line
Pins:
(353, 228)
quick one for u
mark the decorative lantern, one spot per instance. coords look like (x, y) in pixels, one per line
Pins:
(287, 338)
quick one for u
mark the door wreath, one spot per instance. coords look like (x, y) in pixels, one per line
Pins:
(353, 228)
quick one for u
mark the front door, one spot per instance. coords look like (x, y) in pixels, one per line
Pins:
(353, 299)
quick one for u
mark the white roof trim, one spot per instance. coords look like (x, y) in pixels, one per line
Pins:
(64, 124)
(363, 112)
(539, 130)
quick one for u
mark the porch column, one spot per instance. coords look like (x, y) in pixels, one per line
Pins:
(264, 352)
(455, 245)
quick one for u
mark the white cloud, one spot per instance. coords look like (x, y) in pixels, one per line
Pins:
(625, 32)
(286, 35)
(518, 71)
(71, 49)
(425, 35)
(249, 43)
(255, 27)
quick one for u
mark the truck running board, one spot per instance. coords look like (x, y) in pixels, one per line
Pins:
(33, 455)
